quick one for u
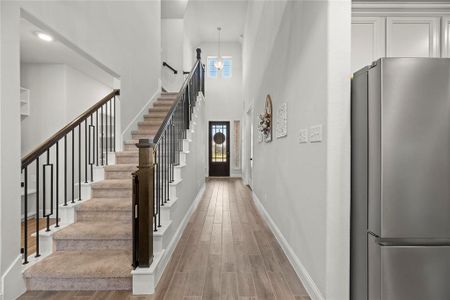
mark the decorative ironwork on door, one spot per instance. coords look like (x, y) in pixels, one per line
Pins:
(219, 148)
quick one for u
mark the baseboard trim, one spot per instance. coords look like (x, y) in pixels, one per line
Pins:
(126, 133)
(299, 268)
(13, 284)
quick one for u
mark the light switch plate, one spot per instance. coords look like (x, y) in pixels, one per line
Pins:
(303, 137)
(315, 133)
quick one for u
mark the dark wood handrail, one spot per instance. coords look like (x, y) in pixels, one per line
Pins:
(170, 67)
(30, 157)
(178, 99)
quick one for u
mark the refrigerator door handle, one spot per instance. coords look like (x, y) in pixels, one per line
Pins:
(412, 242)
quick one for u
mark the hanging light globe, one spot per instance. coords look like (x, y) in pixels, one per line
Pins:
(219, 63)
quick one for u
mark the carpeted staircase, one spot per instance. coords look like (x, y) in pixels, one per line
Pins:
(94, 253)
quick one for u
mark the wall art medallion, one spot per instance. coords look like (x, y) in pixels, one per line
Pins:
(265, 121)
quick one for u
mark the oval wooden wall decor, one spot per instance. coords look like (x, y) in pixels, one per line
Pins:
(265, 123)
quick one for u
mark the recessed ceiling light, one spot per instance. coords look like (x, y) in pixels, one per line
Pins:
(44, 36)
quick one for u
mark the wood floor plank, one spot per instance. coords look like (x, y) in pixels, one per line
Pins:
(227, 251)
(177, 287)
(195, 283)
(246, 287)
(229, 288)
(262, 283)
(280, 287)
(213, 278)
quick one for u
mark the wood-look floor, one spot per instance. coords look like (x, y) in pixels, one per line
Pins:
(226, 252)
(31, 229)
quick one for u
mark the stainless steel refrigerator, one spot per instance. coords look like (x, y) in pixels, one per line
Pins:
(400, 210)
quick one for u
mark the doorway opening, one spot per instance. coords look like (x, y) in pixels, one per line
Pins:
(219, 148)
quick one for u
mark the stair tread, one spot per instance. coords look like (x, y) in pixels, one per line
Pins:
(127, 153)
(95, 231)
(145, 131)
(160, 107)
(83, 264)
(112, 184)
(121, 168)
(106, 204)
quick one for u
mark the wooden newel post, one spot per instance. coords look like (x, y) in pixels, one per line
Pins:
(199, 72)
(143, 198)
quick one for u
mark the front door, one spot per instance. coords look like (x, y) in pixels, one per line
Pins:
(219, 148)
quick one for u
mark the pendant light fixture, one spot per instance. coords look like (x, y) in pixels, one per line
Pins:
(219, 62)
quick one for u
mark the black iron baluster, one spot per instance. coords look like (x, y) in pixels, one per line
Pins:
(164, 170)
(79, 162)
(115, 124)
(57, 184)
(44, 192)
(96, 136)
(65, 170)
(37, 208)
(85, 152)
(73, 165)
(106, 127)
(91, 148)
(101, 139)
(110, 126)
(25, 218)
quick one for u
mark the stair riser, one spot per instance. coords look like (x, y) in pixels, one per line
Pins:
(118, 175)
(92, 245)
(163, 104)
(145, 131)
(148, 128)
(149, 125)
(159, 109)
(128, 160)
(135, 136)
(130, 147)
(105, 216)
(152, 123)
(154, 119)
(111, 193)
(79, 284)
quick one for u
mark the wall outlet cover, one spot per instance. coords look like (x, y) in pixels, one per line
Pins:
(315, 133)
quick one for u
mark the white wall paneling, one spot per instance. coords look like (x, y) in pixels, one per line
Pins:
(368, 40)
(445, 38)
(412, 37)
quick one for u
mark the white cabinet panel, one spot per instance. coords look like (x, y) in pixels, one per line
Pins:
(445, 37)
(412, 37)
(368, 40)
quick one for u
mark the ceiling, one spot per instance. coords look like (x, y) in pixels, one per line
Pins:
(35, 50)
(203, 17)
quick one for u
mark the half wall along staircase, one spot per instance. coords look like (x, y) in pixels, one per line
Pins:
(111, 210)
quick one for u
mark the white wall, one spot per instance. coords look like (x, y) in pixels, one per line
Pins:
(124, 36)
(299, 53)
(47, 84)
(399, 30)
(172, 44)
(188, 53)
(58, 94)
(224, 96)
(82, 92)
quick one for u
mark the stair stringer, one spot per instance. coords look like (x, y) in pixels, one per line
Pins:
(189, 191)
